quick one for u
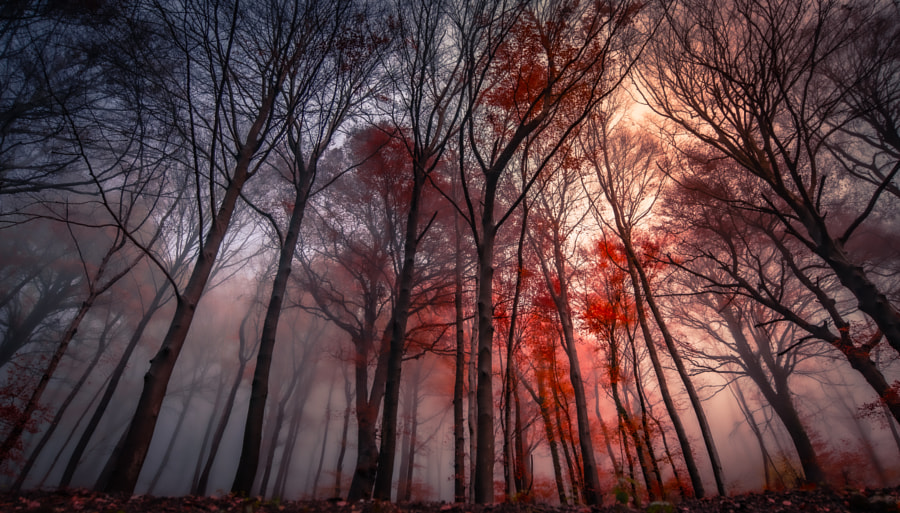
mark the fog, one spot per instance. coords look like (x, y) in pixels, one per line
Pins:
(569, 253)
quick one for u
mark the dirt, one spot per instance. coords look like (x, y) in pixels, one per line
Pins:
(85, 501)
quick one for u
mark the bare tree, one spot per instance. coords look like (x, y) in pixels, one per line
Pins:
(235, 61)
(752, 80)
(335, 55)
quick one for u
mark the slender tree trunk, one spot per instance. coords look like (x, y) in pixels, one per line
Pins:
(522, 474)
(644, 283)
(509, 469)
(617, 467)
(173, 438)
(645, 427)
(626, 424)
(339, 465)
(540, 398)
(399, 318)
(207, 436)
(665, 440)
(472, 412)
(632, 480)
(115, 377)
(687, 454)
(557, 283)
(324, 443)
(768, 464)
(459, 438)
(564, 437)
(307, 371)
(203, 481)
(54, 423)
(287, 455)
(411, 463)
(275, 433)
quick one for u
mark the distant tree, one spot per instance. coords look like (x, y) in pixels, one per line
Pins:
(751, 343)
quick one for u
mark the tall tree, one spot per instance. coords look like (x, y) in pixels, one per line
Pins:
(753, 81)
(334, 51)
(426, 112)
(531, 71)
(225, 48)
(624, 163)
(560, 208)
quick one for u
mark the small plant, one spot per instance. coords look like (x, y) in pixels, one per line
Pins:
(661, 507)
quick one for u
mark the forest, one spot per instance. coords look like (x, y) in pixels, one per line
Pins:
(553, 251)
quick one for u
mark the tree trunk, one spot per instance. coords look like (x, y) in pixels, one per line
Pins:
(275, 434)
(522, 474)
(510, 467)
(208, 435)
(114, 379)
(459, 437)
(324, 443)
(54, 423)
(339, 465)
(399, 318)
(645, 427)
(140, 432)
(687, 454)
(768, 464)
(540, 398)
(617, 467)
(203, 481)
(564, 437)
(626, 424)
(367, 417)
(644, 283)
(484, 392)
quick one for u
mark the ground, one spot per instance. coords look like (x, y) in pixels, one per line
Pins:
(815, 500)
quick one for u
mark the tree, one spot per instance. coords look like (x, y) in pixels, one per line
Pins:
(348, 277)
(751, 343)
(532, 67)
(331, 76)
(225, 137)
(630, 185)
(108, 271)
(753, 81)
(747, 252)
(556, 230)
(426, 111)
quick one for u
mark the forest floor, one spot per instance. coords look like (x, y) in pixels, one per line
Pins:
(84, 501)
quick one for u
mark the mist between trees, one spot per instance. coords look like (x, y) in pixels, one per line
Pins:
(463, 250)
